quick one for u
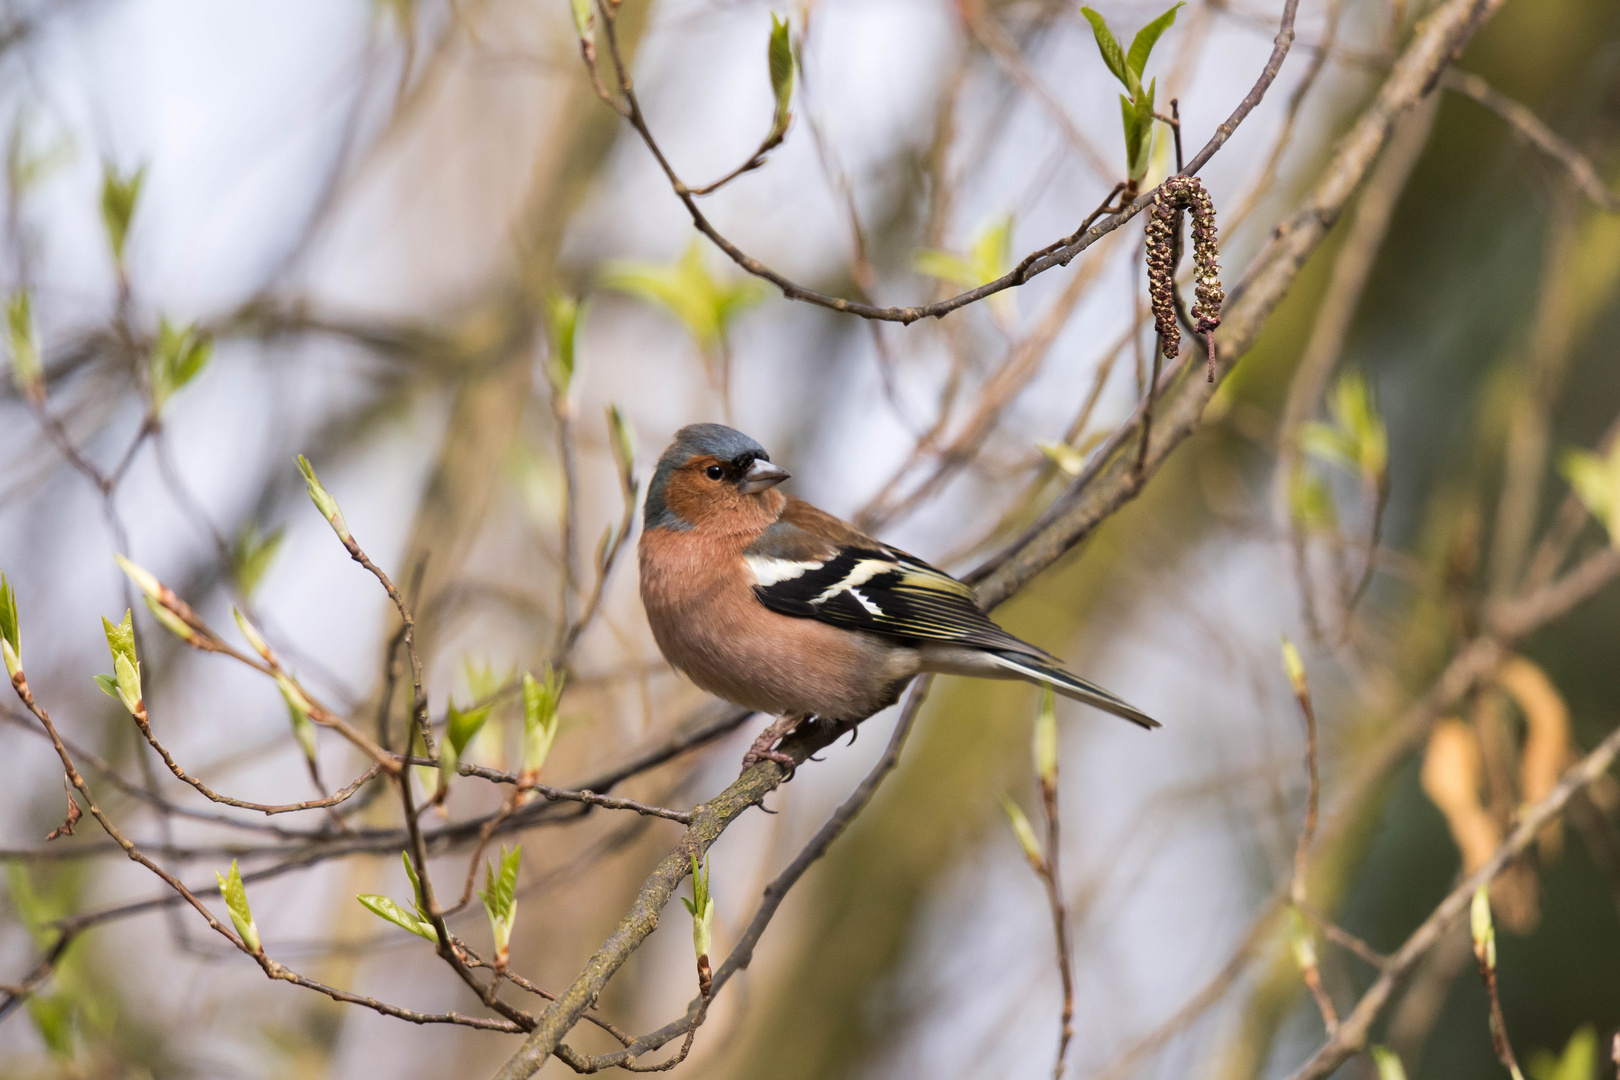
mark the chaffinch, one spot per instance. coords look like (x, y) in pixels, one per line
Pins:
(779, 607)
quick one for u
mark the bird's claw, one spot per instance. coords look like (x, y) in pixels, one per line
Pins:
(758, 753)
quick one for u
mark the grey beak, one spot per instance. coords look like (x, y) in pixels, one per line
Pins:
(761, 476)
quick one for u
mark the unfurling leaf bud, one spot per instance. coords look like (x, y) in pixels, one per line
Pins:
(701, 908)
(1595, 479)
(180, 354)
(779, 57)
(540, 699)
(1046, 738)
(298, 716)
(10, 637)
(500, 901)
(324, 502)
(1301, 941)
(1064, 456)
(584, 19)
(1484, 932)
(622, 437)
(1025, 833)
(563, 318)
(25, 367)
(235, 894)
(1295, 667)
(118, 197)
(125, 681)
(250, 632)
(295, 696)
(173, 623)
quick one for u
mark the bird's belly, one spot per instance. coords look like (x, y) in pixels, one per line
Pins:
(729, 644)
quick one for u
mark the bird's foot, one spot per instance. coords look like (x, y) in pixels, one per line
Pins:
(764, 747)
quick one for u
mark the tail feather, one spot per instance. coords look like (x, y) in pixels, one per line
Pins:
(1036, 670)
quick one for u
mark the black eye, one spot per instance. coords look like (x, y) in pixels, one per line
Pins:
(714, 472)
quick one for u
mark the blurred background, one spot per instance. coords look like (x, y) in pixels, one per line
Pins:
(373, 209)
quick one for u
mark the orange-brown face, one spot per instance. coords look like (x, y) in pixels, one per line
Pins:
(707, 491)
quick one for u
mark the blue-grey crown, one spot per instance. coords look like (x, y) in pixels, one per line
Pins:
(695, 440)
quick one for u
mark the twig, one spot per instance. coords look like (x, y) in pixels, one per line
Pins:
(1305, 950)
(1053, 880)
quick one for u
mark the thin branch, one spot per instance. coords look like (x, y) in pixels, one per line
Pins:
(1581, 170)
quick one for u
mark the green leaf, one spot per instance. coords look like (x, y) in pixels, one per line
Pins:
(540, 699)
(1596, 482)
(54, 1017)
(418, 898)
(121, 638)
(387, 909)
(562, 323)
(252, 552)
(461, 725)
(779, 56)
(108, 684)
(1579, 1061)
(236, 901)
(1147, 37)
(119, 195)
(1139, 131)
(323, 502)
(25, 366)
(686, 289)
(1108, 45)
(1356, 413)
(129, 684)
(8, 616)
(989, 256)
(946, 266)
(990, 249)
(180, 353)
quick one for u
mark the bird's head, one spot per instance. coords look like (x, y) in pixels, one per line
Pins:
(709, 471)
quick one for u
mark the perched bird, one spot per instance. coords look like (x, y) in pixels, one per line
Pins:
(770, 603)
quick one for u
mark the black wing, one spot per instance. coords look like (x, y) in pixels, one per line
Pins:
(881, 591)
